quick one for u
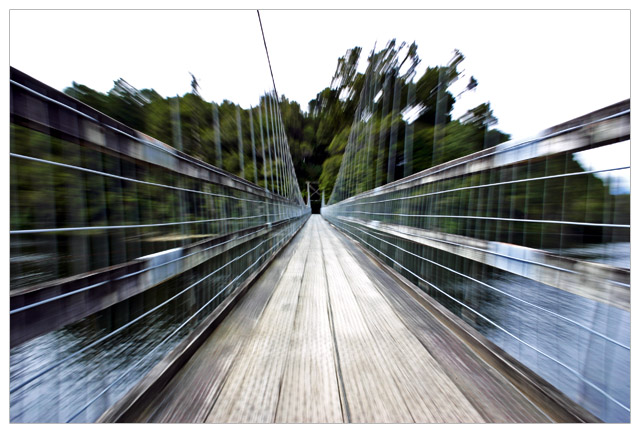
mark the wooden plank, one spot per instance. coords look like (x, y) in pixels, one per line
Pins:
(310, 391)
(425, 388)
(251, 391)
(201, 380)
(483, 381)
(371, 394)
(491, 395)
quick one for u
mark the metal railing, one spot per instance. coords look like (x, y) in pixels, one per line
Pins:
(522, 243)
(121, 246)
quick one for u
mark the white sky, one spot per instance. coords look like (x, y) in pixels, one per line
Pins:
(537, 68)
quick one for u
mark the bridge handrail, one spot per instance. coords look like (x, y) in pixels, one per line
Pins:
(444, 223)
(23, 85)
(175, 218)
(488, 320)
(602, 127)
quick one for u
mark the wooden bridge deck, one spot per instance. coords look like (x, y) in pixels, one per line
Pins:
(325, 335)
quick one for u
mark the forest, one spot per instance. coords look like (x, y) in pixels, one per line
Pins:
(316, 136)
(406, 119)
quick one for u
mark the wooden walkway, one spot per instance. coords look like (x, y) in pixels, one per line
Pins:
(326, 336)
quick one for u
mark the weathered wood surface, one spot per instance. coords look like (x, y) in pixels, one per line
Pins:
(326, 336)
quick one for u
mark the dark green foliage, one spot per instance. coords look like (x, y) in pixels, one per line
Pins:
(317, 139)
